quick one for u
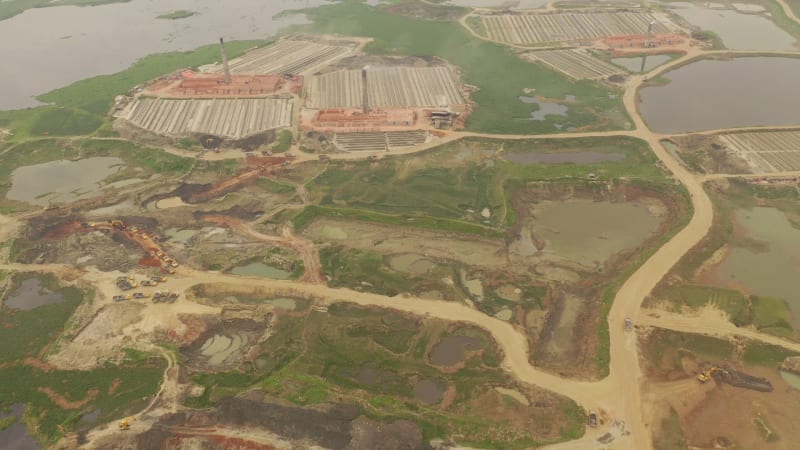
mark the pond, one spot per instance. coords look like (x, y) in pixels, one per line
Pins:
(590, 232)
(453, 349)
(738, 31)
(16, 436)
(61, 181)
(31, 294)
(712, 94)
(641, 64)
(766, 271)
(545, 108)
(429, 392)
(56, 46)
(262, 270)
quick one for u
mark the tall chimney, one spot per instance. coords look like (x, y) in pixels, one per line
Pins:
(364, 92)
(225, 62)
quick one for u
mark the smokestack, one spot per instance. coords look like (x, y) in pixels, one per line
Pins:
(364, 96)
(225, 62)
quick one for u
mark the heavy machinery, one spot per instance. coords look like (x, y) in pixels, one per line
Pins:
(125, 423)
(708, 373)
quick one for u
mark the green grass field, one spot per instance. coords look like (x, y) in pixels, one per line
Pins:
(436, 188)
(500, 75)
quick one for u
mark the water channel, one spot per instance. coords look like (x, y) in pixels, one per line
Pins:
(711, 94)
(55, 46)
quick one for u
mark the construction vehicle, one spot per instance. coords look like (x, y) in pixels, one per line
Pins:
(628, 324)
(117, 223)
(173, 263)
(592, 419)
(708, 373)
(125, 423)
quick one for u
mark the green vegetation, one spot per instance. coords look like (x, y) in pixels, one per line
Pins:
(354, 268)
(437, 190)
(665, 348)
(26, 332)
(372, 358)
(670, 436)
(769, 315)
(313, 212)
(95, 95)
(56, 400)
(760, 354)
(175, 15)
(10, 8)
(495, 69)
(284, 142)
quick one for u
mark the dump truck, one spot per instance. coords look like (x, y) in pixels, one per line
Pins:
(628, 324)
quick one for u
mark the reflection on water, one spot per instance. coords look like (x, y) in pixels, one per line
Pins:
(712, 94)
(55, 46)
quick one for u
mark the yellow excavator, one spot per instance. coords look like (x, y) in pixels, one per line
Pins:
(708, 373)
(125, 423)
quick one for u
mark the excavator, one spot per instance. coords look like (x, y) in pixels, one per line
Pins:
(125, 423)
(708, 373)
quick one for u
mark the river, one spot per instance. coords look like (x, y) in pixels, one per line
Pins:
(56, 46)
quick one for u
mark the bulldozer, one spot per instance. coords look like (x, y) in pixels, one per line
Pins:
(125, 423)
(708, 373)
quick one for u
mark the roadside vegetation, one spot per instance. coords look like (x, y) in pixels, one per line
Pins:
(374, 358)
(58, 401)
(500, 75)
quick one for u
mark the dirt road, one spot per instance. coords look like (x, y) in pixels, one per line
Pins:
(712, 323)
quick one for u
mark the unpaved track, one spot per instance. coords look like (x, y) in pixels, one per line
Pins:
(714, 326)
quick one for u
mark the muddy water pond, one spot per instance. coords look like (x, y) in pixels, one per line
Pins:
(56, 46)
(223, 349)
(791, 379)
(453, 350)
(545, 108)
(641, 64)
(712, 94)
(589, 232)
(429, 391)
(769, 271)
(738, 30)
(411, 263)
(61, 181)
(586, 157)
(17, 437)
(31, 294)
(261, 270)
